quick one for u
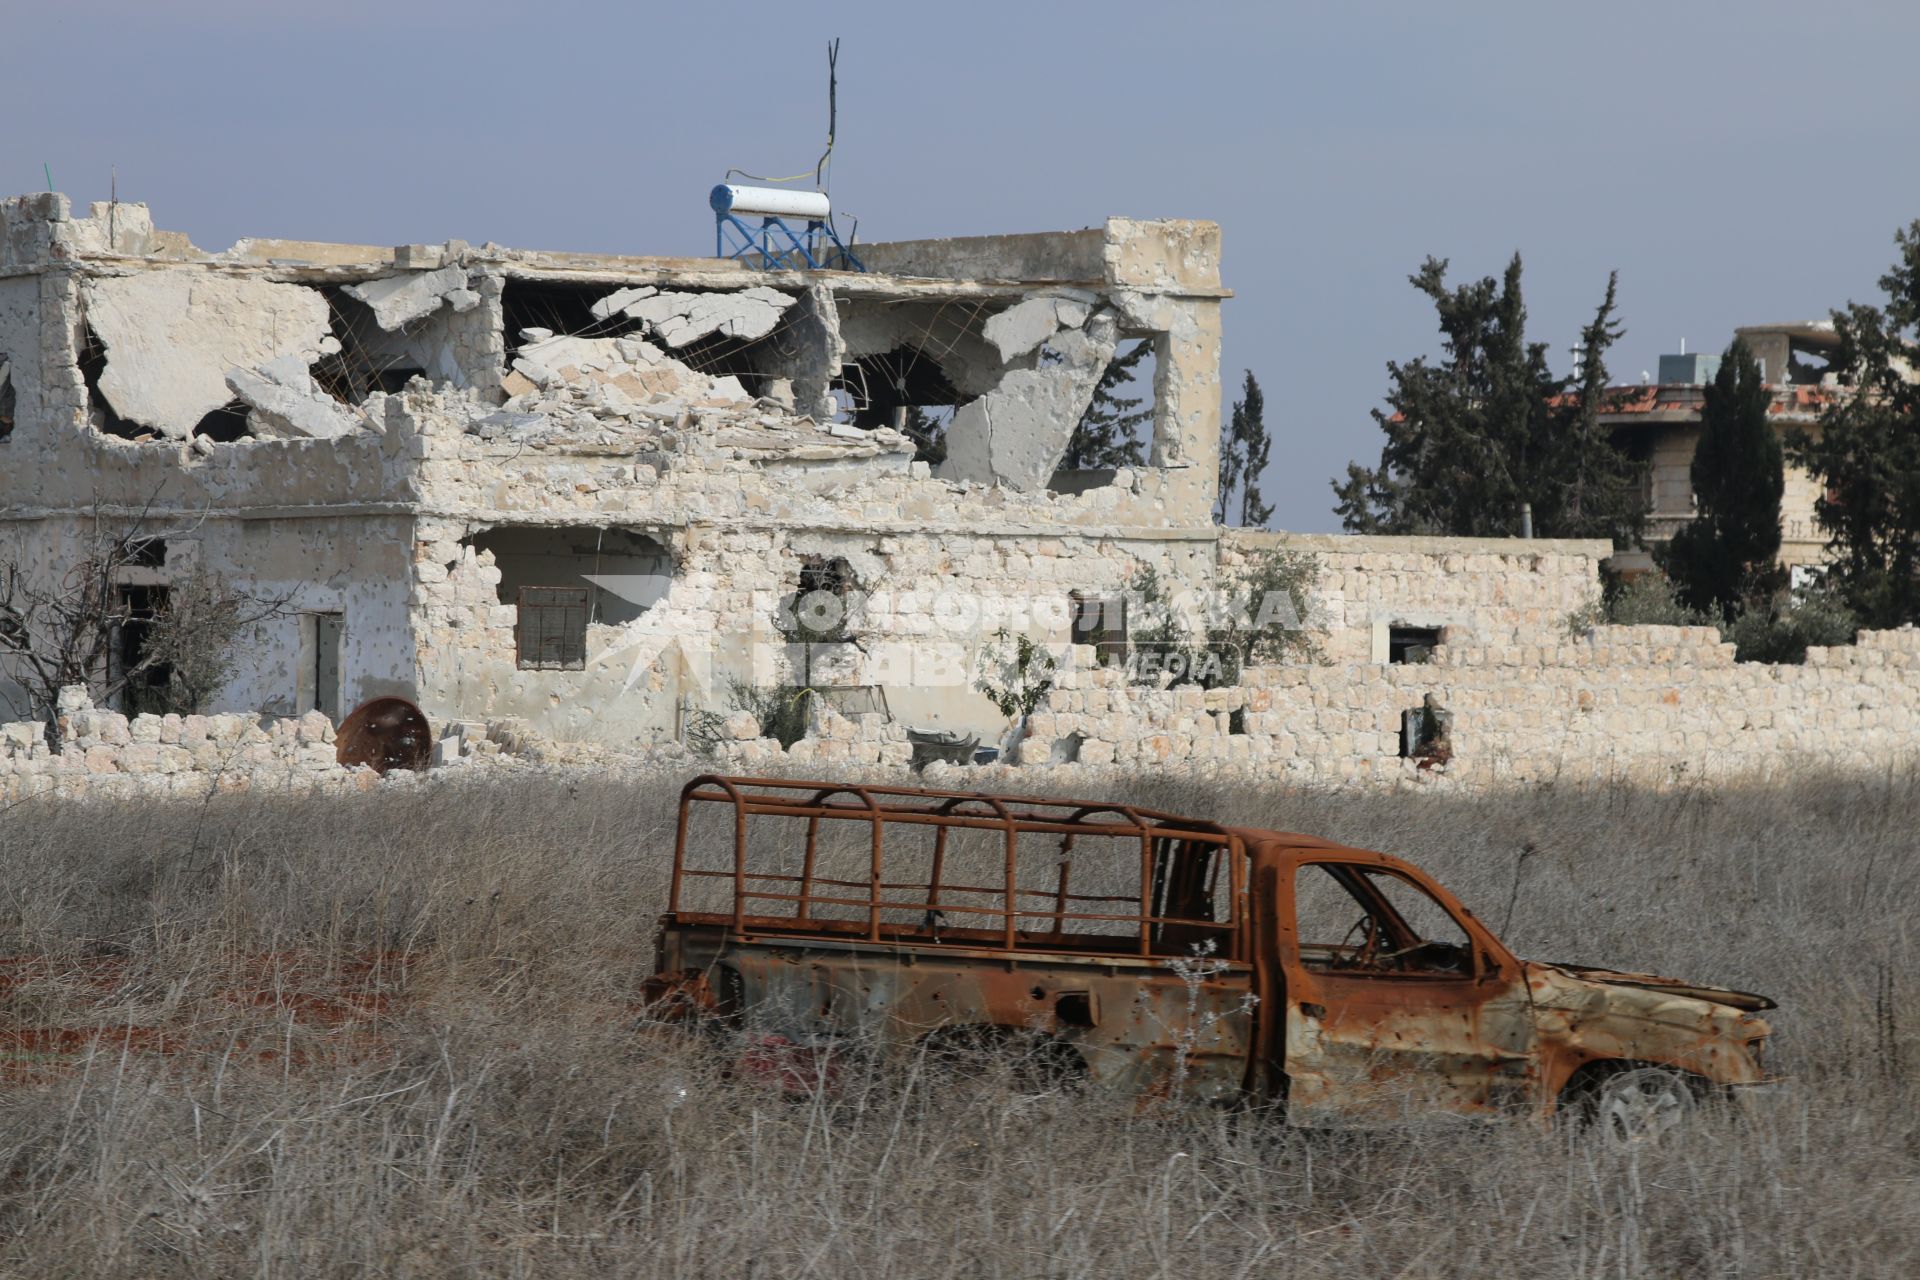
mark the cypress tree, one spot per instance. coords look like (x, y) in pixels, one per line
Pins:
(1724, 558)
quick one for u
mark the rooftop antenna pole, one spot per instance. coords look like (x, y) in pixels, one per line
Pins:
(822, 170)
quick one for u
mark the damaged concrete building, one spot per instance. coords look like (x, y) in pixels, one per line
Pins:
(581, 502)
(575, 490)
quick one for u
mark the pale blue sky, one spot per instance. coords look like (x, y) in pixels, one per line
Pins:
(1738, 162)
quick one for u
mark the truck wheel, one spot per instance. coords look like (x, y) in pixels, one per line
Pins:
(1641, 1106)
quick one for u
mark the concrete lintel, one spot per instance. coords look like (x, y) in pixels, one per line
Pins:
(317, 253)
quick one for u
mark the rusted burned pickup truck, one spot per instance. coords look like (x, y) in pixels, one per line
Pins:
(1158, 955)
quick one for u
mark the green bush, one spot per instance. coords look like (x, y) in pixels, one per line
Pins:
(1783, 630)
(1648, 600)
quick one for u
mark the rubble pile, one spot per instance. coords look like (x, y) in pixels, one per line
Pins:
(630, 390)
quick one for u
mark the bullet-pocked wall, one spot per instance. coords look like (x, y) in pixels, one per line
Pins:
(380, 436)
(323, 604)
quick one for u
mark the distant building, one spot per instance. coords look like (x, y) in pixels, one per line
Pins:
(1661, 422)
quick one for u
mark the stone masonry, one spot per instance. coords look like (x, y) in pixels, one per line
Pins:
(584, 495)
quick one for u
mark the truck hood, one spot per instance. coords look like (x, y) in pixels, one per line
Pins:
(1743, 1000)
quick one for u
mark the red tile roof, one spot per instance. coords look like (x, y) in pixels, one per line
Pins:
(1794, 401)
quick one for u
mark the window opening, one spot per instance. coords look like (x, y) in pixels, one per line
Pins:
(1101, 621)
(1372, 922)
(140, 605)
(1117, 428)
(1411, 644)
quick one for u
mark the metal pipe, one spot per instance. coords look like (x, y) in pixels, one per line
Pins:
(679, 854)
(1013, 888)
(1146, 893)
(873, 892)
(939, 867)
(806, 866)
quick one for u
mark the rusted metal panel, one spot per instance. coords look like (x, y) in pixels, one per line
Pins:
(385, 734)
(1186, 978)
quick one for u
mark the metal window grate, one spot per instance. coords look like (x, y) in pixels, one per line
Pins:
(552, 631)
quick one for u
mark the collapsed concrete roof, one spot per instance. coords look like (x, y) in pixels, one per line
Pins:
(993, 344)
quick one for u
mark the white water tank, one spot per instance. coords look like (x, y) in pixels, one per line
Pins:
(770, 202)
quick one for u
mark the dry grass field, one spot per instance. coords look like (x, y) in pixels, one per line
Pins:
(395, 1036)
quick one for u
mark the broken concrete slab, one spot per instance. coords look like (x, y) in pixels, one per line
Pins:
(678, 319)
(1016, 434)
(1071, 313)
(621, 300)
(536, 373)
(285, 403)
(568, 351)
(1026, 324)
(170, 338)
(398, 301)
(1022, 326)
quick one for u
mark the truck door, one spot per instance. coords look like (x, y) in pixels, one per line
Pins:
(1396, 1006)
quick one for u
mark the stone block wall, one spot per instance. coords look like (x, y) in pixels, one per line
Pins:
(1483, 590)
(1633, 704)
(1645, 705)
(104, 753)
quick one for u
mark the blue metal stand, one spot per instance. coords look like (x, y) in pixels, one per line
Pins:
(774, 246)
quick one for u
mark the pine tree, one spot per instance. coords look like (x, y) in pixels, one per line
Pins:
(1489, 427)
(1245, 447)
(1108, 434)
(1590, 488)
(1866, 457)
(928, 433)
(1724, 559)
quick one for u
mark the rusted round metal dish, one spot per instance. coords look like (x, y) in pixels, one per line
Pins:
(385, 734)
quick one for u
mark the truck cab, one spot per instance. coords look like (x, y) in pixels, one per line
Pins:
(1160, 955)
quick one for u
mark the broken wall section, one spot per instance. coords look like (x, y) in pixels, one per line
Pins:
(722, 344)
(440, 317)
(1160, 280)
(38, 230)
(19, 353)
(675, 374)
(992, 390)
(204, 352)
